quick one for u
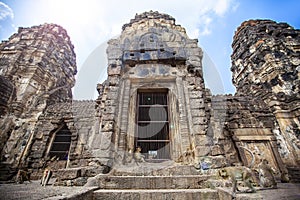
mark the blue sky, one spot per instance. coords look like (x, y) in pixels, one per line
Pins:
(91, 23)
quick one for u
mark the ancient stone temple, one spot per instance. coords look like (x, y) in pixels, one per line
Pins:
(154, 100)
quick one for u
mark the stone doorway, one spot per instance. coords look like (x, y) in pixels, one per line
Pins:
(61, 142)
(152, 130)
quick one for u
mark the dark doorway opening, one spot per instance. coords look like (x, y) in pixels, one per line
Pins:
(152, 133)
(61, 144)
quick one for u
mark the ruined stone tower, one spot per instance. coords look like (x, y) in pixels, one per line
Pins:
(265, 66)
(37, 69)
(154, 71)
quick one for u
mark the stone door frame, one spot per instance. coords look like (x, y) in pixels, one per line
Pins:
(271, 141)
(174, 135)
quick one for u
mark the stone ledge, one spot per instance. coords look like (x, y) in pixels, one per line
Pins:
(76, 176)
(157, 194)
(68, 174)
(153, 182)
(81, 194)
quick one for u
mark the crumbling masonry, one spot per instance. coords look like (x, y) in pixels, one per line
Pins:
(154, 97)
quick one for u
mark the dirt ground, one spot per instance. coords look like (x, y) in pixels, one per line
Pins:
(34, 191)
(285, 191)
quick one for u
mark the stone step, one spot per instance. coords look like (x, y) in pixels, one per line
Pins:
(167, 168)
(157, 194)
(164, 168)
(153, 182)
(294, 174)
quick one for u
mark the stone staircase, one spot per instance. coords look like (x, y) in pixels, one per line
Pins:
(160, 194)
(148, 182)
(154, 187)
(294, 174)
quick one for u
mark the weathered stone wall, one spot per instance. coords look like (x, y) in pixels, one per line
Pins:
(265, 65)
(239, 122)
(80, 118)
(265, 58)
(6, 95)
(40, 64)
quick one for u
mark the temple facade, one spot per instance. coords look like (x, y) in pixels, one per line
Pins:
(154, 98)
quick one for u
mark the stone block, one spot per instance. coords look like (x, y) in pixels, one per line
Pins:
(107, 126)
(156, 194)
(217, 150)
(36, 154)
(199, 120)
(108, 117)
(233, 125)
(195, 58)
(109, 110)
(191, 80)
(225, 194)
(196, 103)
(113, 80)
(102, 153)
(80, 181)
(106, 140)
(202, 140)
(202, 151)
(113, 88)
(95, 140)
(218, 161)
(193, 63)
(108, 102)
(112, 95)
(68, 174)
(199, 129)
(113, 69)
(196, 94)
(91, 171)
(198, 112)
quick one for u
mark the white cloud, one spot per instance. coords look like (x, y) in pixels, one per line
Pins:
(235, 6)
(222, 6)
(5, 11)
(205, 31)
(205, 28)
